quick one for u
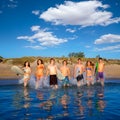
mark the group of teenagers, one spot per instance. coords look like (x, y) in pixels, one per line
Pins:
(91, 72)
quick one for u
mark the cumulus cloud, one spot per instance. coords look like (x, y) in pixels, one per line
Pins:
(108, 38)
(70, 30)
(42, 37)
(85, 13)
(35, 28)
(109, 48)
(36, 12)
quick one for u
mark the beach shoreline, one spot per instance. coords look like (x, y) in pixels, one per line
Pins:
(112, 71)
(17, 78)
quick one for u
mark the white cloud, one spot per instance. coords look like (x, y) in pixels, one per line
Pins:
(108, 38)
(26, 38)
(35, 47)
(85, 13)
(36, 12)
(70, 30)
(43, 37)
(109, 48)
(35, 28)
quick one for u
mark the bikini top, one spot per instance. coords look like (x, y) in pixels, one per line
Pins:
(26, 70)
(40, 67)
(88, 68)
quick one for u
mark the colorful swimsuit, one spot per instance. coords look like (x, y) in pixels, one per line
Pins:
(100, 75)
(38, 69)
(90, 76)
(26, 75)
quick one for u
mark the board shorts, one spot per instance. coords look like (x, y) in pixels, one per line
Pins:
(53, 80)
(79, 77)
(65, 80)
(100, 75)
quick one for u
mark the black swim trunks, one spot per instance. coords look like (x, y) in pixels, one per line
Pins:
(79, 77)
(53, 80)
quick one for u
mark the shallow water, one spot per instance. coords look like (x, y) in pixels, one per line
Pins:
(95, 102)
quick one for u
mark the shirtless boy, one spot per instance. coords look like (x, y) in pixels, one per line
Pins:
(65, 72)
(78, 72)
(101, 71)
(52, 71)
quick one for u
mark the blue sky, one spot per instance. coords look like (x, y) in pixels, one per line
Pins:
(59, 27)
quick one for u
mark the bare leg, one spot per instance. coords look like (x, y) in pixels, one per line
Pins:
(102, 82)
(88, 83)
(56, 86)
(37, 80)
(78, 84)
(25, 82)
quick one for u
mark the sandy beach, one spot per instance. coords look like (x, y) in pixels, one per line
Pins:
(111, 71)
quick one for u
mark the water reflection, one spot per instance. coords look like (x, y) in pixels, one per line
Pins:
(40, 95)
(65, 102)
(100, 99)
(26, 99)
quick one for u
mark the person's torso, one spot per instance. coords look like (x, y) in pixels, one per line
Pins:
(64, 70)
(52, 69)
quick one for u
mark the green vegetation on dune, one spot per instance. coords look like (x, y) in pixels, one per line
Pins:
(72, 58)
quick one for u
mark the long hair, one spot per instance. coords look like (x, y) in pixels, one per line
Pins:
(26, 62)
(90, 63)
(40, 60)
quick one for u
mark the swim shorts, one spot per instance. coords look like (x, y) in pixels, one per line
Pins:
(79, 77)
(53, 80)
(65, 80)
(100, 75)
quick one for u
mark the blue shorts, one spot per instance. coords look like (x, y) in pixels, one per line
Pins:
(65, 80)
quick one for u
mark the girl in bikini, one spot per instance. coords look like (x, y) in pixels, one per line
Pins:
(27, 73)
(89, 73)
(39, 71)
